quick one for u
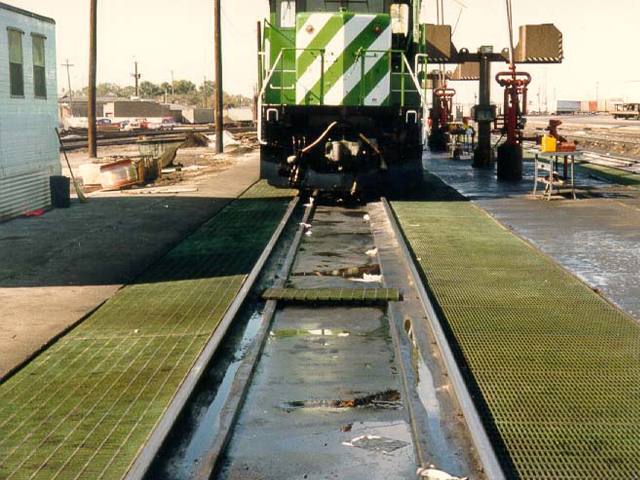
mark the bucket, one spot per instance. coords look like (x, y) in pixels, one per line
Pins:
(60, 191)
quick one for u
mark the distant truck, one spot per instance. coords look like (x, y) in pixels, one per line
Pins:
(627, 111)
(568, 107)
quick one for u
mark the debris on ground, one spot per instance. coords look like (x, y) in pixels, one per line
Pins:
(389, 399)
(158, 191)
(347, 272)
(376, 443)
(367, 278)
(432, 473)
(346, 428)
(372, 253)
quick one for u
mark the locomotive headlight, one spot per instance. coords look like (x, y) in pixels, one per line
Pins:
(377, 29)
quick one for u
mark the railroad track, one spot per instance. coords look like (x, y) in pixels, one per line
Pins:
(77, 142)
(316, 358)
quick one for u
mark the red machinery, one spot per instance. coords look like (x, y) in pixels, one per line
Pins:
(440, 118)
(515, 108)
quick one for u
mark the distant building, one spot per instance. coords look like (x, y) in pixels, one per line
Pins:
(29, 152)
(136, 108)
(239, 114)
(80, 106)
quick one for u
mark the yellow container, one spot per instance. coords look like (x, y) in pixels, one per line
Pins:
(548, 144)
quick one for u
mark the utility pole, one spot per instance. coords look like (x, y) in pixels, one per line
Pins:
(204, 92)
(137, 76)
(69, 65)
(218, 62)
(173, 88)
(93, 53)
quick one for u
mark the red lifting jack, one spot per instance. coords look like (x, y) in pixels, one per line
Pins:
(440, 118)
(515, 108)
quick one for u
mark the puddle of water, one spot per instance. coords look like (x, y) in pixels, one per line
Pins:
(181, 461)
(428, 397)
(318, 332)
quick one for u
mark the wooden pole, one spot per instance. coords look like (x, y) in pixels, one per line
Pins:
(91, 120)
(218, 62)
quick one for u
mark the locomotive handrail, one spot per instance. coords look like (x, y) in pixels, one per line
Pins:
(261, 94)
(416, 62)
(296, 49)
(405, 68)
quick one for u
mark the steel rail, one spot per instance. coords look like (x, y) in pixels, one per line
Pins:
(150, 450)
(232, 407)
(486, 452)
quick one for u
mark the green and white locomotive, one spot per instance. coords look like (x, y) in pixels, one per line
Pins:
(341, 98)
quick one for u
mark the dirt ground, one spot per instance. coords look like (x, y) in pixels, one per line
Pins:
(57, 268)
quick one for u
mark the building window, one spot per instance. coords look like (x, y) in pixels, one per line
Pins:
(39, 71)
(16, 74)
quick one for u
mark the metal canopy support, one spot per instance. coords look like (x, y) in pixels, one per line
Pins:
(218, 57)
(484, 113)
(537, 44)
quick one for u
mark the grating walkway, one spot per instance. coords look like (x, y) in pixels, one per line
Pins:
(84, 407)
(332, 295)
(555, 370)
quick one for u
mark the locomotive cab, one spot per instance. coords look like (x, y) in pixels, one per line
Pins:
(340, 105)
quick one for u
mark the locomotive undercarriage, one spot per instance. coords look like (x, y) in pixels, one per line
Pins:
(341, 148)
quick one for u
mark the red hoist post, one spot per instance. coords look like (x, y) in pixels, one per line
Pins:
(440, 115)
(515, 108)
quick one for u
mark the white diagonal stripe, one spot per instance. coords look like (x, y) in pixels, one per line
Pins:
(308, 80)
(337, 46)
(380, 92)
(317, 21)
(352, 76)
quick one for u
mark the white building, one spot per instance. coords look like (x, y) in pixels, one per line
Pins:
(29, 152)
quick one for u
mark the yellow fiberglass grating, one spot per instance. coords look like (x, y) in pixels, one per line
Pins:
(85, 406)
(553, 367)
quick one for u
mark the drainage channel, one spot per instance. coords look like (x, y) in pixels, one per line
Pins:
(346, 385)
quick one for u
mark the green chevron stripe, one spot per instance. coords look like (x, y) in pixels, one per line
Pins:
(371, 79)
(349, 57)
(324, 36)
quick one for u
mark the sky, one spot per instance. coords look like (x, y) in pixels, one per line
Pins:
(166, 35)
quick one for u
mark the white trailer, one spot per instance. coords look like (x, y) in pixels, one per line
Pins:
(29, 152)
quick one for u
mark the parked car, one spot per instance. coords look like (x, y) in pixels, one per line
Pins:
(165, 124)
(106, 125)
(137, 124)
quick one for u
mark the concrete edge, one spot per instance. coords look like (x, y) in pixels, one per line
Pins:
(486, 452)
(152, 446)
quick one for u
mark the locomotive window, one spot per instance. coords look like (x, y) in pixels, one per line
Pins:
(288, 14)
(400, 18)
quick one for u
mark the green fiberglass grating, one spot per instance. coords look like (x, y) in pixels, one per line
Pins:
(333, 295)
(84, 407)
(553, 367)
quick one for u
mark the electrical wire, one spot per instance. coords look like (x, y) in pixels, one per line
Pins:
(457, 21)
(510, 22)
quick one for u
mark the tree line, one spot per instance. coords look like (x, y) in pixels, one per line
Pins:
(182, 91)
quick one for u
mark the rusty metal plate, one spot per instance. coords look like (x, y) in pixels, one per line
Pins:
(539, 44)
(439, 47)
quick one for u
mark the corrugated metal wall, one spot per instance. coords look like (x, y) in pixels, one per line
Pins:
(28, 145)
(22, 194)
